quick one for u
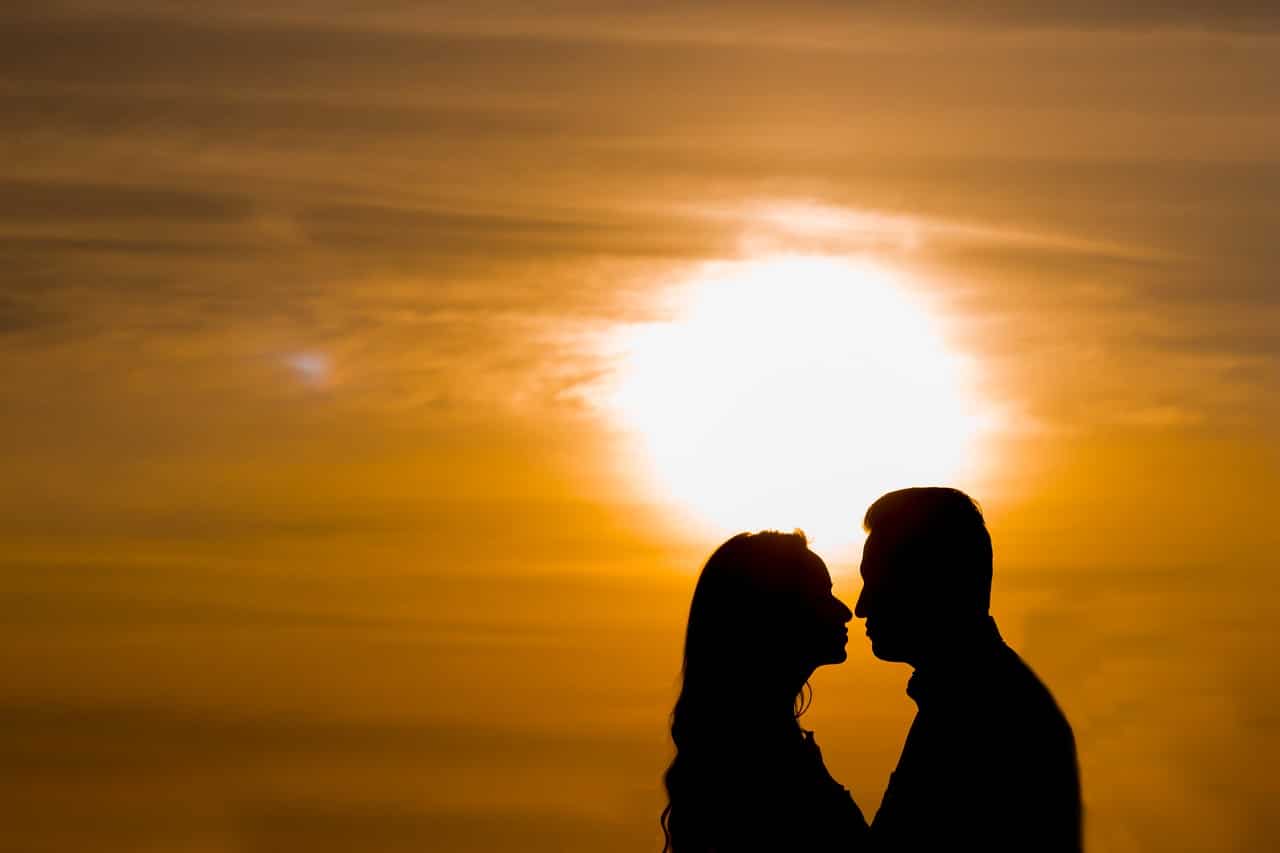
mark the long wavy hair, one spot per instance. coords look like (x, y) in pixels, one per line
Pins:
(737, 676)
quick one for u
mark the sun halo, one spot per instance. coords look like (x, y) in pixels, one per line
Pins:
(789, 392)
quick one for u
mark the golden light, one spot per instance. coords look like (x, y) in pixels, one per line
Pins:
(790, 392)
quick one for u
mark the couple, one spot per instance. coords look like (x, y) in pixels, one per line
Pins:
(989, 763)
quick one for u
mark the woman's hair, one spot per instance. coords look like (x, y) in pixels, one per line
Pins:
(737, 659)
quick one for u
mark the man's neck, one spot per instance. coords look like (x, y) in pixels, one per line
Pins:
(957, 646)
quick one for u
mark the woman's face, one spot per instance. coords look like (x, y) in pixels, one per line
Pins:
(822, 618)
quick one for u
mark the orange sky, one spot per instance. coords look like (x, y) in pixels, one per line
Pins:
(313, 535)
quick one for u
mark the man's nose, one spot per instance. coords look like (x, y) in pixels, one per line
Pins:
(860, 606)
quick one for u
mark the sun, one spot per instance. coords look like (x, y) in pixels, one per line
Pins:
(789, 392)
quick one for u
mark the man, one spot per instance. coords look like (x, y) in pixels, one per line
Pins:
(990, 761)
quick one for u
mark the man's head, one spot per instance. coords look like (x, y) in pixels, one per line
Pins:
(926, 571)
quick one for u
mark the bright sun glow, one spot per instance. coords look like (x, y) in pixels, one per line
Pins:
(790, 392)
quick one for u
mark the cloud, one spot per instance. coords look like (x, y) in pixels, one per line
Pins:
(40, 202)
(809, 22)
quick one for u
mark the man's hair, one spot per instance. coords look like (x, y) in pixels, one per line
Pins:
(941, 534)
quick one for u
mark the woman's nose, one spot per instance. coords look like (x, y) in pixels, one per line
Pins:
(845, 613)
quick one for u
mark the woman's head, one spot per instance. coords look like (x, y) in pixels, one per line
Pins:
(763, 618)
(763, 608)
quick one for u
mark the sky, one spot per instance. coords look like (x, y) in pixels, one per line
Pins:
(320, 525)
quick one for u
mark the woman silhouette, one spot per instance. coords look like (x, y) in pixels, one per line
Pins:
(745, 775)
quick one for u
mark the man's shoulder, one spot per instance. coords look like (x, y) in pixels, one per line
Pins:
(1025, 701)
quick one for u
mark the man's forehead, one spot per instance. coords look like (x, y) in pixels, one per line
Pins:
(872, 555)
(877, 555)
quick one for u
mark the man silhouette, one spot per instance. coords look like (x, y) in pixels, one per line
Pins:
(990, 761)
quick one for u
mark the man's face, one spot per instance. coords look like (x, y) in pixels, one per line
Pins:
(891, 604)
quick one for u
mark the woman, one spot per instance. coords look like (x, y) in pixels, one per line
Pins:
(745, 775)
